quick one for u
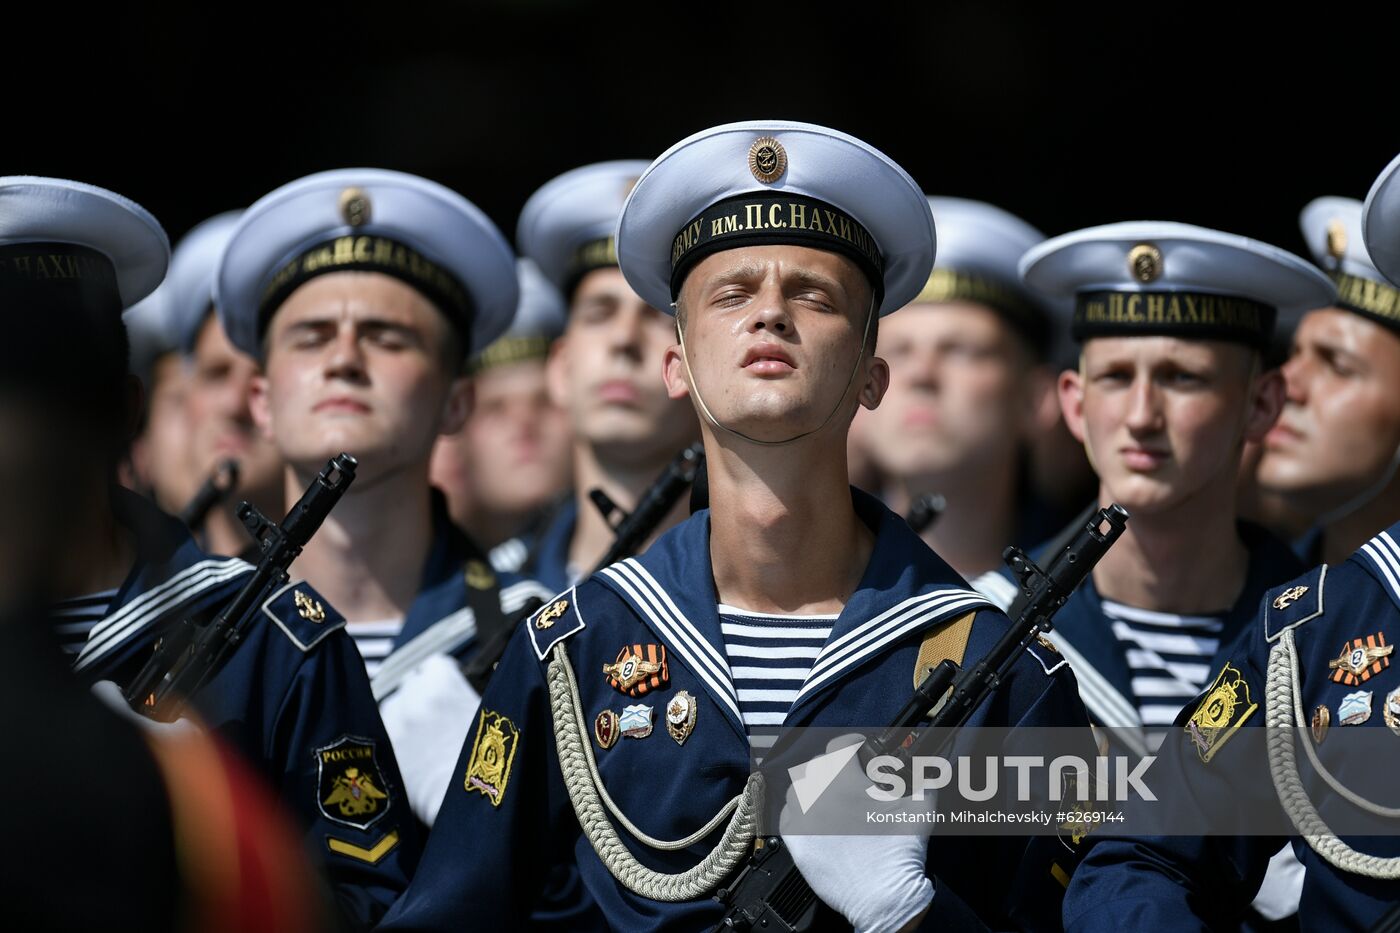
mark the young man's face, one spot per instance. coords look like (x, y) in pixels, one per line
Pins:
(604, 371)
(513, 454)
(161, 456)
(358, 362)
(221, 423)
(773, 334)
(1340, 424)
(960, 391)
(1164, 419)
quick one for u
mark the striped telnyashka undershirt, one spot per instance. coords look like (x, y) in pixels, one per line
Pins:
(769, 658)
(1168, 657)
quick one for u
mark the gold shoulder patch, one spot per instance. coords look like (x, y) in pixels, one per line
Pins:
(1224, 709)
(488, 769)
(550, 614)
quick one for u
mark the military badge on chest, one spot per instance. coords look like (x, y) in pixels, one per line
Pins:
(351, 789)
(638, 670)
(1360, 660)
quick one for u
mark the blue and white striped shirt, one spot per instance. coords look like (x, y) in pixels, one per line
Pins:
(1168, 658)
(769, 658)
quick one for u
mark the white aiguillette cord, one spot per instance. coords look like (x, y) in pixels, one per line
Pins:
(705, 409)
(1283, 701)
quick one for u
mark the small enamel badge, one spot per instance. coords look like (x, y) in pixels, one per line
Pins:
(1355, 708)
(638, 670)
(1223, 710)
(1321, 719)
(680, 716)
(1391, 710)
(1360, 659)
(636, 721)
(605, 729)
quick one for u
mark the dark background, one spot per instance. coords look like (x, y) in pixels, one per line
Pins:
(1069, 116)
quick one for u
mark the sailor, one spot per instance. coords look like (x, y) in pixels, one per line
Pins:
(362, 292)
(506, 470)
(220, 385)
(1170, 385)
(794, 600)
(1327, 470)
(602, 371)
(969, 390)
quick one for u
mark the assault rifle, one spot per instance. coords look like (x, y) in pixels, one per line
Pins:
(769, 893)
(190, 655)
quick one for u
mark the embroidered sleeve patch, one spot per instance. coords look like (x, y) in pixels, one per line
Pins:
(351, 789)
(1224, 709)
(488, 768)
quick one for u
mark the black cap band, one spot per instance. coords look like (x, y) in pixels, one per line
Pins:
(510, 349)
(594, 254)
(771, 219)
(1016, 308)
(48, 276)
(1193, 315)
(1368, 298)
(371, 253)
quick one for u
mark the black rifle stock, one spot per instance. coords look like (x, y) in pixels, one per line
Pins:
(769, 893)
(629, 534)
(190, 655)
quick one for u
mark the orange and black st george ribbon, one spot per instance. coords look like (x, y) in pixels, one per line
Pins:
(638, 670)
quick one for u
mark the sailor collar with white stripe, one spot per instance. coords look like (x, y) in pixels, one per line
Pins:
(1381, 558)
(906, 589)
(1099, 661)
(172, 577)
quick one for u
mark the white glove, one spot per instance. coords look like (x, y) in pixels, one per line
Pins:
(877, 882)
(427, 719)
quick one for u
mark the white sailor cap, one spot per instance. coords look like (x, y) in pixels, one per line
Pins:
(78, 245)
(1332, 229)
(368, 220)
(569, 226)
(768, 182)
(1145, 278)
(1381, 222)
(150, 331)
(979, 247)
(539, 319)
(190, 285)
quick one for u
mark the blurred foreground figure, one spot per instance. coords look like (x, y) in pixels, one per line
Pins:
(293, 699)
(509, 465)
